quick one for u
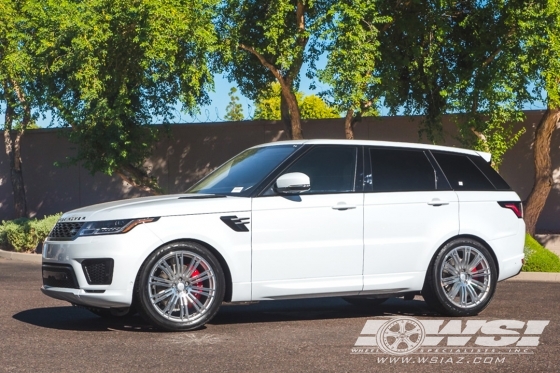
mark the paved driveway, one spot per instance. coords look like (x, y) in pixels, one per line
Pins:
(41, 334)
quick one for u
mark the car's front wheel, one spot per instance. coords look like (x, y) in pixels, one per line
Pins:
(461, 279)
(180, 286)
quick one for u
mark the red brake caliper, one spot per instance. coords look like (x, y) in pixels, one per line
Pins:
(476, 269)
(199, 285)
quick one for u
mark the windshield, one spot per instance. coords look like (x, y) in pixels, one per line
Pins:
(237, 176)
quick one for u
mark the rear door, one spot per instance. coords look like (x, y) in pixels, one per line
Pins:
(409, 210)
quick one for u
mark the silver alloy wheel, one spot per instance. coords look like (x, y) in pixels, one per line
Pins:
(182, 286)
(465, 277)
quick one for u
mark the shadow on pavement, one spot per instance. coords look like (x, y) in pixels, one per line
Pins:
(315, 309)
(79, 319)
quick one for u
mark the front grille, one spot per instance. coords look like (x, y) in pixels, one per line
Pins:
(66, 231)
(60, 276)
(98, 271)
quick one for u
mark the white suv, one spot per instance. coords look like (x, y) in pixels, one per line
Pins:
(364, 220)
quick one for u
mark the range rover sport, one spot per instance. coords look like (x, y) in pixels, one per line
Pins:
(364, 220)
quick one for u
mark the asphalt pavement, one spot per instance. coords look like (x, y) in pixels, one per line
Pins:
(518, 332)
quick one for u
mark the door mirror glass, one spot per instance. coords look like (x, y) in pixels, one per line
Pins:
(292, 183)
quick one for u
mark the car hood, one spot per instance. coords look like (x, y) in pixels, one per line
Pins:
(168, 205)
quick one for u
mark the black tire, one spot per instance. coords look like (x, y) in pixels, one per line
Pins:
(177, 300)
(112, 313)
(365, 301)
(446, 285)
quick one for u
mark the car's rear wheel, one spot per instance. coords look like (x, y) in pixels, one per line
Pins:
(180, 286)
(365, 301)
(461, 279)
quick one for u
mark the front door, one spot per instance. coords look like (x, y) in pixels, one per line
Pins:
(311, 243)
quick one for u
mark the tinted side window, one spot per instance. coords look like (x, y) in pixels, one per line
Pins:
(461, 172)
(331, 169)
(490, 173)
(394, 170)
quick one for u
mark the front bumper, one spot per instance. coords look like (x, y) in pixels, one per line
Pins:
(126, 252)
(107, 299)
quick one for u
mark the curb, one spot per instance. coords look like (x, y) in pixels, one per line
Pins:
(536, 277)
(21, 257)
(522, 276)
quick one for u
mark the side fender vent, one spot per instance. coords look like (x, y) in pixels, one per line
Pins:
(235, 223)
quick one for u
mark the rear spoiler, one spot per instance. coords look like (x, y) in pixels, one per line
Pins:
(487, 156)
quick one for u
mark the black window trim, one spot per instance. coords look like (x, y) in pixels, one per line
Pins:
(468, 156)
(439, 171)
(267, 183)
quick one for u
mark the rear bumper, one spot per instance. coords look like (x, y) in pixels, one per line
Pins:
(509, 252)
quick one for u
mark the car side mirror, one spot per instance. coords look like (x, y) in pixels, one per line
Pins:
(292, 183)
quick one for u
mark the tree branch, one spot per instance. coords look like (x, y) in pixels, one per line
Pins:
(302, 40)
(494, 54)
(264, 62)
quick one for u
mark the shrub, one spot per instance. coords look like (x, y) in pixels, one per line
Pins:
(539, 259)
(23, 235)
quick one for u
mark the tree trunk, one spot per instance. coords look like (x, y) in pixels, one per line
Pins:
(139, 178)
(349, 124)
(484, 141)
(289, 102)
(482, 138)
(295, 116)
(543, 168)
(13, 150)
(285, 116)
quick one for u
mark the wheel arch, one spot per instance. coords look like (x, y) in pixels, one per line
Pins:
(468, 236)
(223, 264)
(217, 255)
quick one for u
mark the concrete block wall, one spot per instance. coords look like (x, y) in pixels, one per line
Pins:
(193, 150)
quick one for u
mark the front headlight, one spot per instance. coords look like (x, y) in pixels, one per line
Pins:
(95, 228)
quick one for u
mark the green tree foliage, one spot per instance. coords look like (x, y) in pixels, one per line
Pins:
(234, 110)
(313, 107)
(267, 105)
(19, 92)
(353, 52)
(460, 58)
(111, 66)
(266, 41)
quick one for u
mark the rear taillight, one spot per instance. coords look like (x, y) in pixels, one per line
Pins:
(516, 207)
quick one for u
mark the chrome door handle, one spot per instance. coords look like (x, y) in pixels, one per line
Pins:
(343, 206)
(437, 202)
